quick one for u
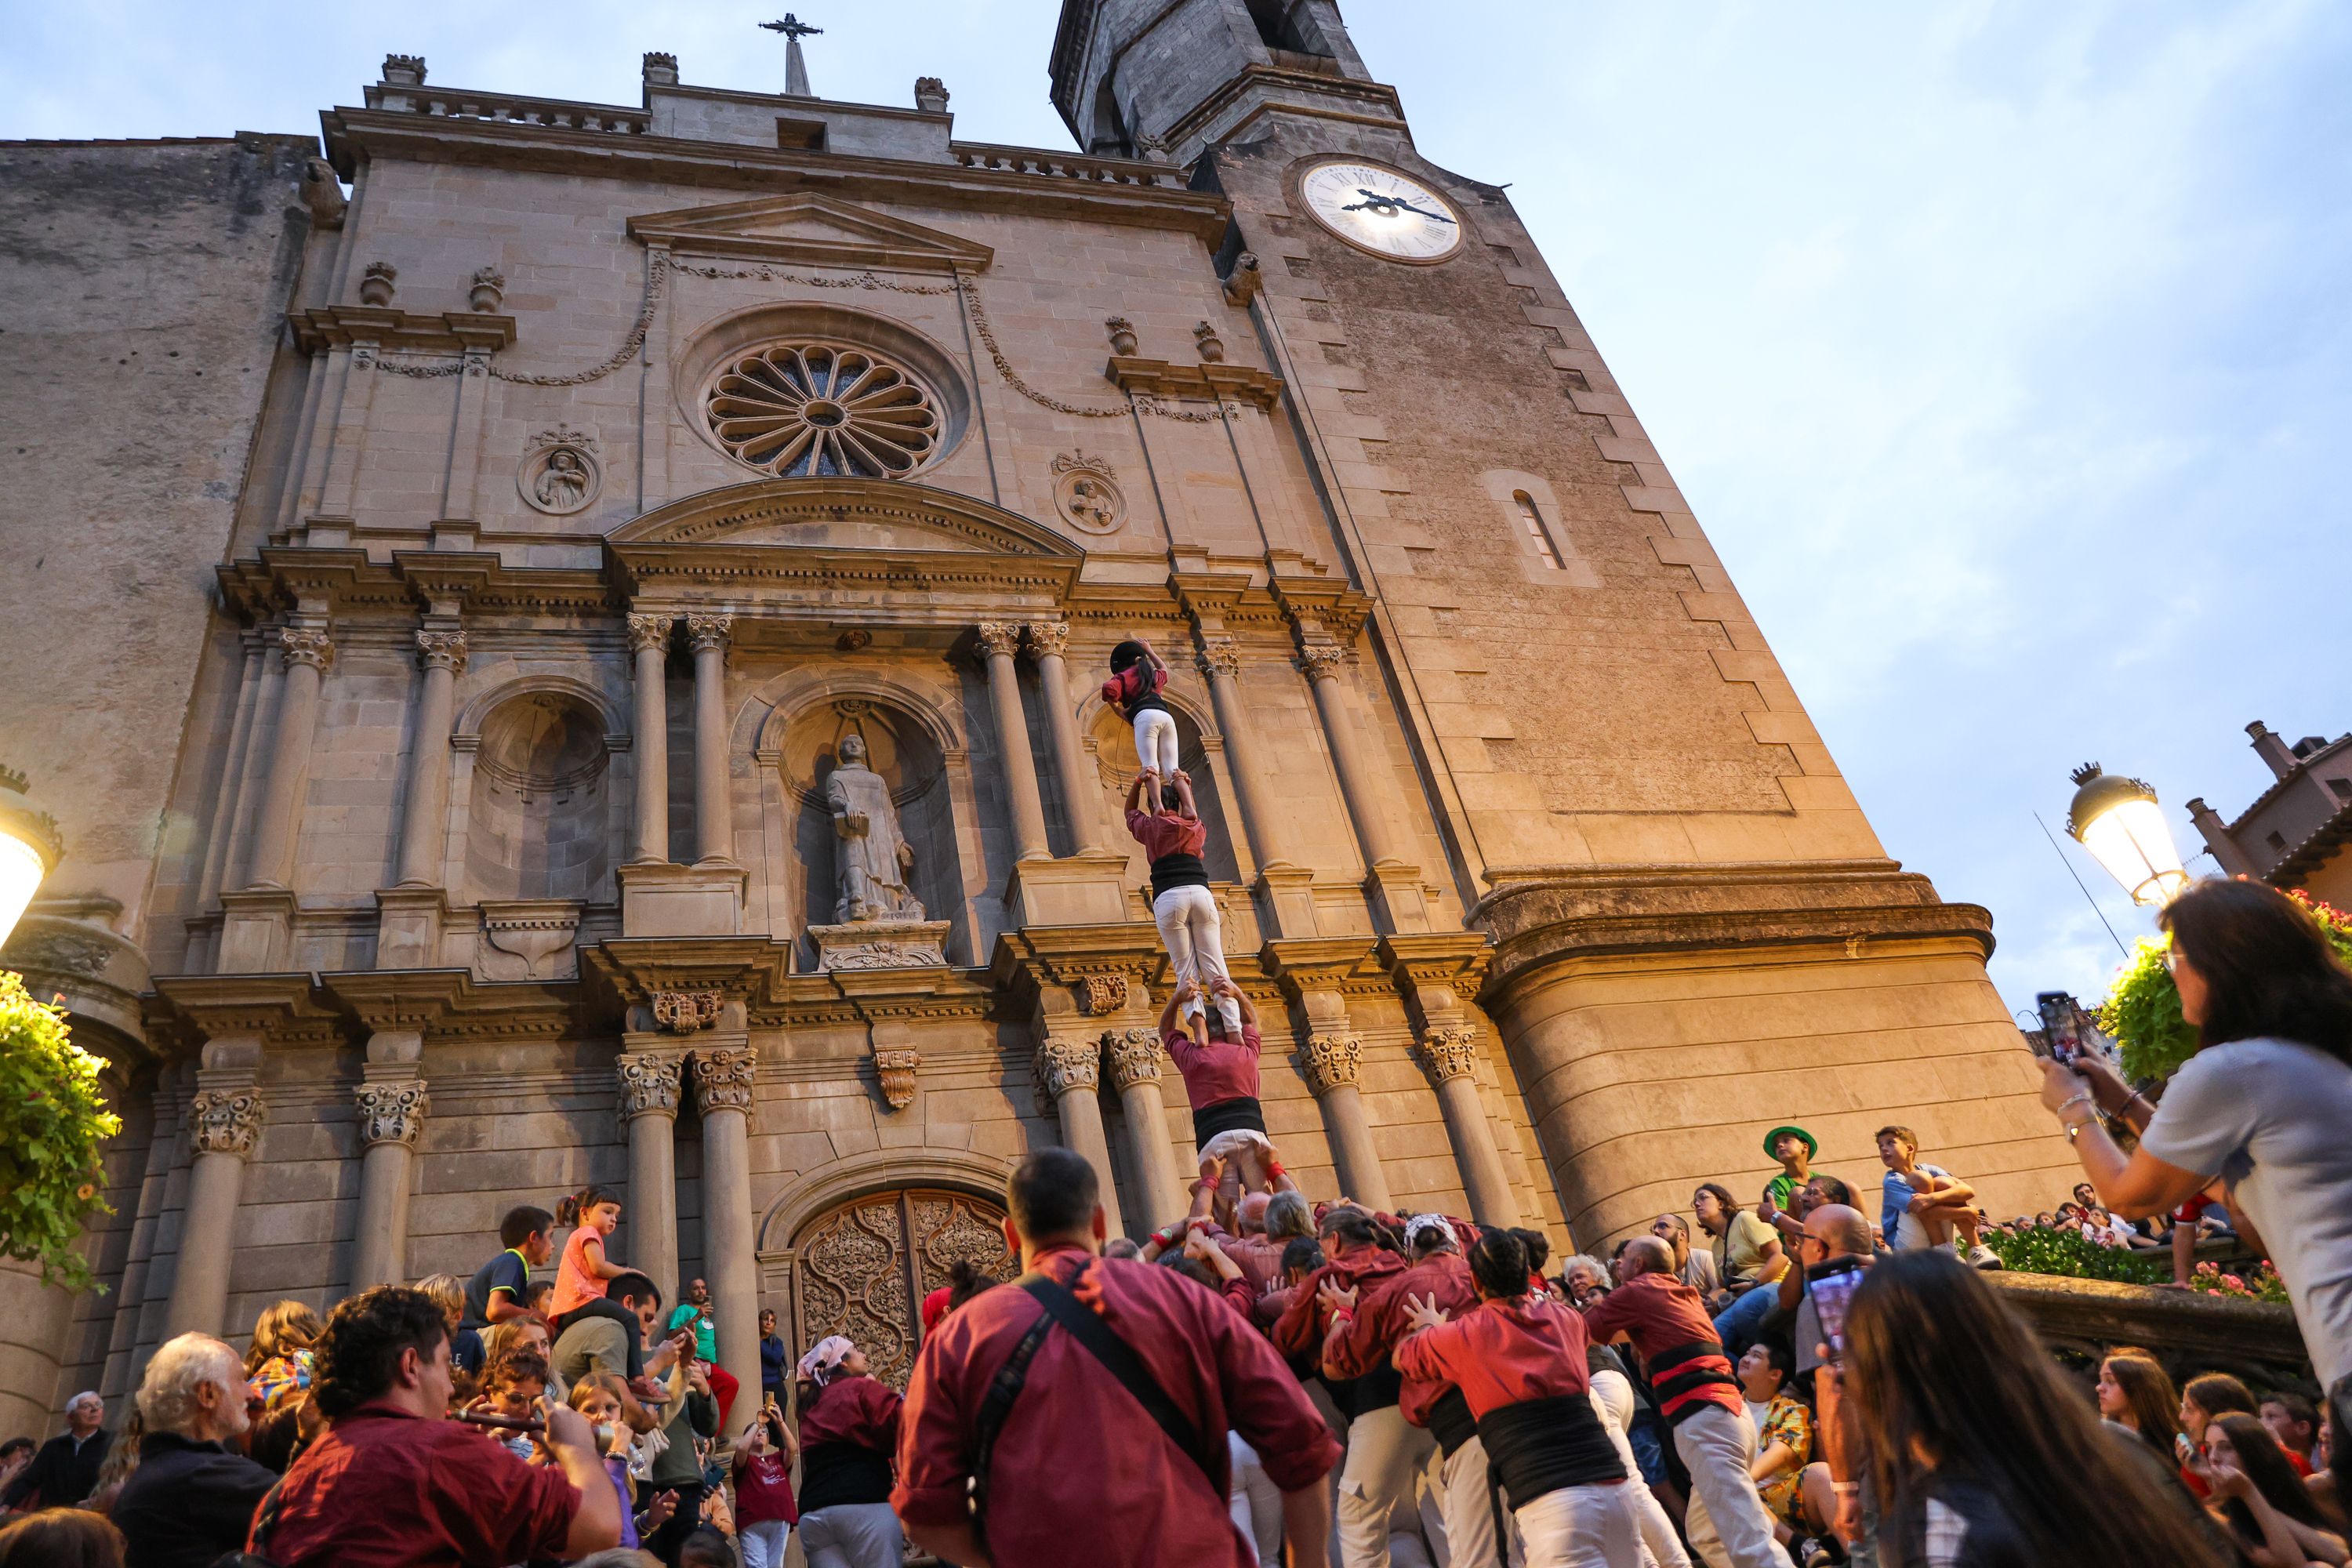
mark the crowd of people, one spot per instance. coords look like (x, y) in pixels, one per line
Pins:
(1266, 1379)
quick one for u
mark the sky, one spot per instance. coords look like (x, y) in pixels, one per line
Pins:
(1997, 345)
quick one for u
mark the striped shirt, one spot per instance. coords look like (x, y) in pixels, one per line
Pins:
(1669, 1327)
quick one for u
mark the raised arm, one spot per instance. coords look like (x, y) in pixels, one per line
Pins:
(1135, 794)
(1224, 987)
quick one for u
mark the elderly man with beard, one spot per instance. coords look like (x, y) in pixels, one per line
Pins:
(191, 1500)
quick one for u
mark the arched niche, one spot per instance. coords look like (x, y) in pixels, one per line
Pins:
(904, 746)
(538, 824)
(1112, 740)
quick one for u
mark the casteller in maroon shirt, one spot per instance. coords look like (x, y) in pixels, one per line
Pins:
(1081, 1475)
(1381, 1319)
(384, 1489)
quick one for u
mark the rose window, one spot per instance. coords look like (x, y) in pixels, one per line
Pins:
(800, 410)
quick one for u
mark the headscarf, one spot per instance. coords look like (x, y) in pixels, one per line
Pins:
(824, 1357)
(1421, 1222)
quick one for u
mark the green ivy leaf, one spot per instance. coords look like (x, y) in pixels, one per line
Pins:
(54, 1124)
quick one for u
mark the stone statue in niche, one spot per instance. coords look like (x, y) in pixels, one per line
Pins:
(560, 472)
(871, 858)
(563, 482)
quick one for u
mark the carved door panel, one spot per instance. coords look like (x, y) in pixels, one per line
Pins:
(864, 1269)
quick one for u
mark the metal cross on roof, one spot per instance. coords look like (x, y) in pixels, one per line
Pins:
(796, 78)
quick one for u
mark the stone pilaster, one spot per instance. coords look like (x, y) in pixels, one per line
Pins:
(649, 1096)
(1134, 1057)
(1362, 784)
(1330, 1063)
(1450, 1055)
(392, 1112)
(649, 743)
(224, 1125)
(714, 834)
(723, 1093)
(1069, 1076)
(425, 812)
(1049, 640)
(999, 640)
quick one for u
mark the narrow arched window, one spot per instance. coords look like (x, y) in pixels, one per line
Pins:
(1536, 528)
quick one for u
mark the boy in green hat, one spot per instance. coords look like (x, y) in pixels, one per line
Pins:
(1794, 1148)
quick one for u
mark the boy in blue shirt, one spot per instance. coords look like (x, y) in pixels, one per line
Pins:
(1927, 1206)
(500, 1288)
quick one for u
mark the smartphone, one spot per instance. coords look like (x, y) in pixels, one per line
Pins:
(1832, 1294)
(2184, 1447)
(2061, 1025)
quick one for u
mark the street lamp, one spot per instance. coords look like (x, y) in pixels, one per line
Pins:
(30, 848)
(2118, 821)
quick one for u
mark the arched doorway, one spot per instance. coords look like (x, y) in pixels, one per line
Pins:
(863, 1269)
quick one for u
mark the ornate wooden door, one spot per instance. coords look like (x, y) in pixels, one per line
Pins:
(864, 1269)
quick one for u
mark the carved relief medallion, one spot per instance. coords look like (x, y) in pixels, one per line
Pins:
(1086, 494)
(684, 1012)
(1104, 993)
(560, 473)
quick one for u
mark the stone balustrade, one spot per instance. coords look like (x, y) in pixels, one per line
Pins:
(2189, 1330)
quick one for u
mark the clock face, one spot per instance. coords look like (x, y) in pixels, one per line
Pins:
(1387, 213)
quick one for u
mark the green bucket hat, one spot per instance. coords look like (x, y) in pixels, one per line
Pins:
(1811, 1148)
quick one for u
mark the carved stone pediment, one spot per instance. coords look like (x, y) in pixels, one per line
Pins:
(809, 230)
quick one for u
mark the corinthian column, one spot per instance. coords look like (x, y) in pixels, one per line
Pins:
(391, 1114)
(649, 1106)
(714, 834)
(649, 744)
(1134, 1059)
(224, 1126)
(1220, 664)
(308, 652)
(425, 814)
(723, 1090)
(998, 639)
(1331, 1063)
(1069, 1074)
(1047, 640)
(1451, 1056)
(1359, 781)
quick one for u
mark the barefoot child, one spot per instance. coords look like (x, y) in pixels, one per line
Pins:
(1137, 676)
(1925, 1205)
(1220, 1073)
(580, 1278)
(1182, 904)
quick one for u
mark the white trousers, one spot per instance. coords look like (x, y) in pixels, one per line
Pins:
(1384, 1454)
(1725, 1521)
(763, 1544)
(1613, 1398)
(1467, 1510)
(1194, 932)
(1583, 1527)
(1155, 742)
(1255, 1502)
(853, 1535)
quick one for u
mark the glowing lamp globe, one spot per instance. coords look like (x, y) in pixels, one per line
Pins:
(29, 849)
(2119, 822)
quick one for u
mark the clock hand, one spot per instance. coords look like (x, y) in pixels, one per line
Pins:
(1408, 206)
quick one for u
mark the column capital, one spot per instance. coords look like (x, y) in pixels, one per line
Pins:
(1049, 639)
(306, 644)
(1133, 1055)
(648, 1084)
(1449, 1052)
(1330, 1062)
(649, 631)
(1321, 660)
(392, 1112)
(722, 1078)
(226, 1121)
(442, 650)
(1218, 656)
(1065, 1064)
(998, 638)
(710, 631)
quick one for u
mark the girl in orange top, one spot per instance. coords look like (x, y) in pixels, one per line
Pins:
(581, 1276)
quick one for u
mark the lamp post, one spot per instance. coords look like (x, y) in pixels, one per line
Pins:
(30, 848)
(2119, 822)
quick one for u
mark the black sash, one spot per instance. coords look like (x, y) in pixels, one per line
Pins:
(837, 1473)
(1540, 1446)
(1177, 870)
(1451, 1423)
(1240, 1115)
(1378, 1389)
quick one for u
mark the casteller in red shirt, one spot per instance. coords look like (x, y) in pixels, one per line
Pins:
(386, 1489)
(1680, 1353)
(1380, 1320)
(1080, 1475)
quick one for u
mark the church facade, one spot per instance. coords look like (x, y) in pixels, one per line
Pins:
(618, 703)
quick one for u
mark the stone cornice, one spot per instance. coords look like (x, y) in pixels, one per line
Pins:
(853, 237)
(1113, 191)
(1203, 383)
(1542, 915)
(453, 331)
(285, 1011)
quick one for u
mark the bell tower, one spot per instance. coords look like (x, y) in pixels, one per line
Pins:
(1635, 808)
(1134, 76)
